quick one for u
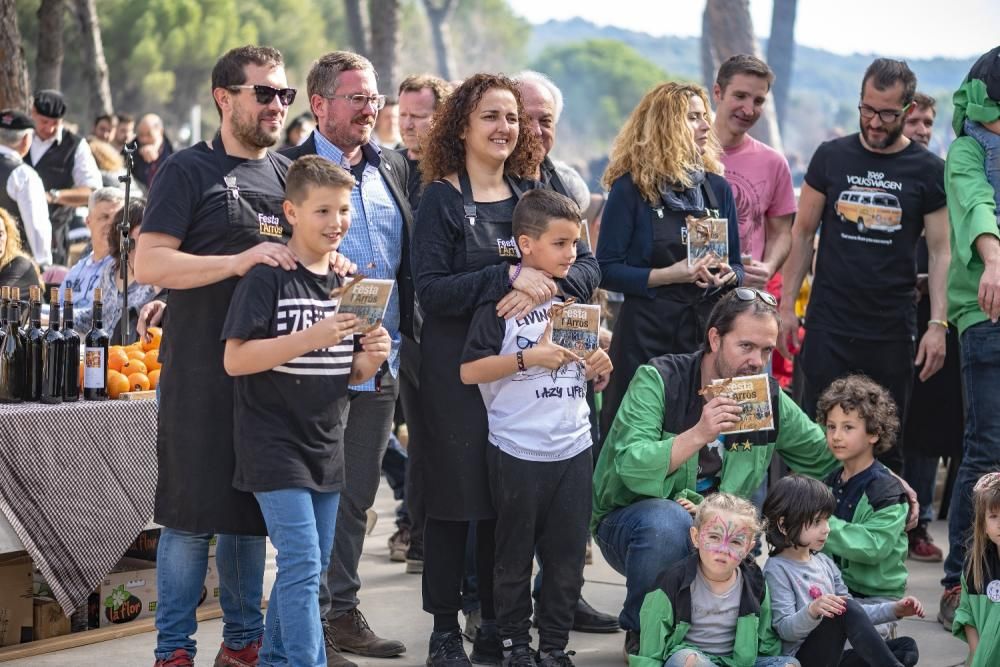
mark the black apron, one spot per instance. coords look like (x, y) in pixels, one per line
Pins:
(195, 432)
(672, 321)
(454, 460)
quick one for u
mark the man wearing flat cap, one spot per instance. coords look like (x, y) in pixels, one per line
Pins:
(65, 163)
(21, 191)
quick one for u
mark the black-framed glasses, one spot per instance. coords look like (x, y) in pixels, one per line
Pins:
(749, 294)
(885, 115)
(265, 94)
(359, 101)
(524, 343)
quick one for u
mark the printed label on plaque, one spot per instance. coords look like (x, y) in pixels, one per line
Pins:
(93, 368)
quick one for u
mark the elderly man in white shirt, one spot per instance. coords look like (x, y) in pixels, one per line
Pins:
(22, 193)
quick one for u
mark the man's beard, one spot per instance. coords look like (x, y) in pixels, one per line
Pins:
(891, 136)
(252, 134)
(724, 370)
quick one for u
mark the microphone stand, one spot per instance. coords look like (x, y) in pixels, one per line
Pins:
(124, 241)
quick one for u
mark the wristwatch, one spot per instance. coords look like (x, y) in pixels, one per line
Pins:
(54, 193)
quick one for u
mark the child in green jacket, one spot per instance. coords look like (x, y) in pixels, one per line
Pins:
(977, 619)
(712, 608)
(867, 530)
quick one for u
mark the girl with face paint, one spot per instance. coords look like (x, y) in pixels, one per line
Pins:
(713, 608)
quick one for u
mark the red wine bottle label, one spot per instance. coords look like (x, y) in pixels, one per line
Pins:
(93, 368)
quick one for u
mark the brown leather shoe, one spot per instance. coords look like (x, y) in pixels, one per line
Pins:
(334, 658)
(353, 635)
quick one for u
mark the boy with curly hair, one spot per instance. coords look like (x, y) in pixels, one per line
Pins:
(867, 531)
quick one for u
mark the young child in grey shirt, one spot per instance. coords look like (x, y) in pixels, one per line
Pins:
(813, 612)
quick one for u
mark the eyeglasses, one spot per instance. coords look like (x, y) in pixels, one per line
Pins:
(266, 93)
(359, 101)
(749, 294)
(885, 115)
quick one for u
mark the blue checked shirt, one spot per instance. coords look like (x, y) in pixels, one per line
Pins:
(375, 240)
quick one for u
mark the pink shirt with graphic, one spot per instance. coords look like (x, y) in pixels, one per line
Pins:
(762, 186)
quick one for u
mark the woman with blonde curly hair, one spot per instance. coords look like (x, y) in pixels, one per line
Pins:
(16, 268)
(464, 254)
(664, 169)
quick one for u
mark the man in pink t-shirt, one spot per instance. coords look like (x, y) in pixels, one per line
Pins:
(758, 174)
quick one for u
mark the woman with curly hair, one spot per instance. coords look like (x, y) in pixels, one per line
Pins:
(16, 268)
(464, 255)
(664, 168)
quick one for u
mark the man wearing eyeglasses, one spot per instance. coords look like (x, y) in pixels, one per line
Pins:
(666, 441)
(215, 212)
(344, 98)
(874, 192)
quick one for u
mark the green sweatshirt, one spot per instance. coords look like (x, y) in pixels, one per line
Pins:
(634, 461)
(975, 609)
(871, 548)
(665, 618)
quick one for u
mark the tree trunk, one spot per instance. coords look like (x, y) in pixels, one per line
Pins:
(709, 63)
(95, 67)
(781, 54)
(384, 18)
(14, 90)
(438, 16)
(357, 31)
(48, 69)
(731, 32)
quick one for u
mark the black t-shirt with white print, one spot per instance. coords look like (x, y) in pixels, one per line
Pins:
(872, 219)
(289, 421)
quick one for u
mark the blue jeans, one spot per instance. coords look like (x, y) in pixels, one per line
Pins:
(680, 659)
(181, 564)
(641, 541)
(981, 444)
(301, 524)
(991, 144)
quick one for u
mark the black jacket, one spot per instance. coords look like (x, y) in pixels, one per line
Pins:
(395, 172)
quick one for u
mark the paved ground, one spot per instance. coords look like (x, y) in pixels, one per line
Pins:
(391, 601)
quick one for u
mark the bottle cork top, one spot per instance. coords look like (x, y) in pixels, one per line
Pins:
(68, 295)
(97, 294)
(54, 295)
(34, 293)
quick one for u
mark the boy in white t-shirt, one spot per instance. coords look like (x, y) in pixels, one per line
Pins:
(539, 463)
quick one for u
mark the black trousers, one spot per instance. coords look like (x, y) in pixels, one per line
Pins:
(824, 647)
(543, 506)
(444, 569)
(416, 426)
(826, 357)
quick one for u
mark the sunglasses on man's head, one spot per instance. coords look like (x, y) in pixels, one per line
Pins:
(749, 294)
(265, 94)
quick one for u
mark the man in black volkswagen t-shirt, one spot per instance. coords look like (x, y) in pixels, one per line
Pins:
(875, 192)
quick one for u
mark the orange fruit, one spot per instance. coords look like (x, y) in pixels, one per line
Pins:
(154, 378)
(133, 366)
(136, 354)
(117, 384)
(155, 336)
(152, 360)
(117, 358)
(138, 382)
(134, 347)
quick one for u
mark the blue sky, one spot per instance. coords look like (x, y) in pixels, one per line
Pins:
(900, 28)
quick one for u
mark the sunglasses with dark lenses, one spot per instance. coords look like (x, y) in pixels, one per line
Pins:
(749, 294)
(265, 94)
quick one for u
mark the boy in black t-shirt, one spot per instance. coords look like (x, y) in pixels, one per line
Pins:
(539, 461)
(293, 360)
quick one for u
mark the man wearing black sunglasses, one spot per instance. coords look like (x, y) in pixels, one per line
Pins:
(875, 193)
(344, 98)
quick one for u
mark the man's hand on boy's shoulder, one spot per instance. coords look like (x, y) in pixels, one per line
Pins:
(266, 252)
(341, 265)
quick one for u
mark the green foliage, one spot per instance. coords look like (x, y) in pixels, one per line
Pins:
(601, 80)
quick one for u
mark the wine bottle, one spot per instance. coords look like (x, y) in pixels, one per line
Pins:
(71, 390)
(95, 355)
(12, 352)
(53, 355)
(33, 336)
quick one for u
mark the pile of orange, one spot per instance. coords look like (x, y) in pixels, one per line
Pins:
(134, 367)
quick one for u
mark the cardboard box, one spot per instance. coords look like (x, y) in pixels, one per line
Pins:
(144, 546)
(131, 594)
(16, 612)
(50, 621)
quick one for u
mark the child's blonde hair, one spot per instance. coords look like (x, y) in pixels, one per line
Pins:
(985, 497)
(727, 503)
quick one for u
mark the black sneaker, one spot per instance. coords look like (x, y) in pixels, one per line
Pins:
(486, 649)
(556, 659)
(446, 650)
(520, 656)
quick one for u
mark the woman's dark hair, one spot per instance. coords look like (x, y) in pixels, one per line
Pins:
(136, 209)
(792, 504)
(445, 152)
(731, 306)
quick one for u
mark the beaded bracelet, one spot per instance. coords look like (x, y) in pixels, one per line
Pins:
(520, 362)
(517, 272)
